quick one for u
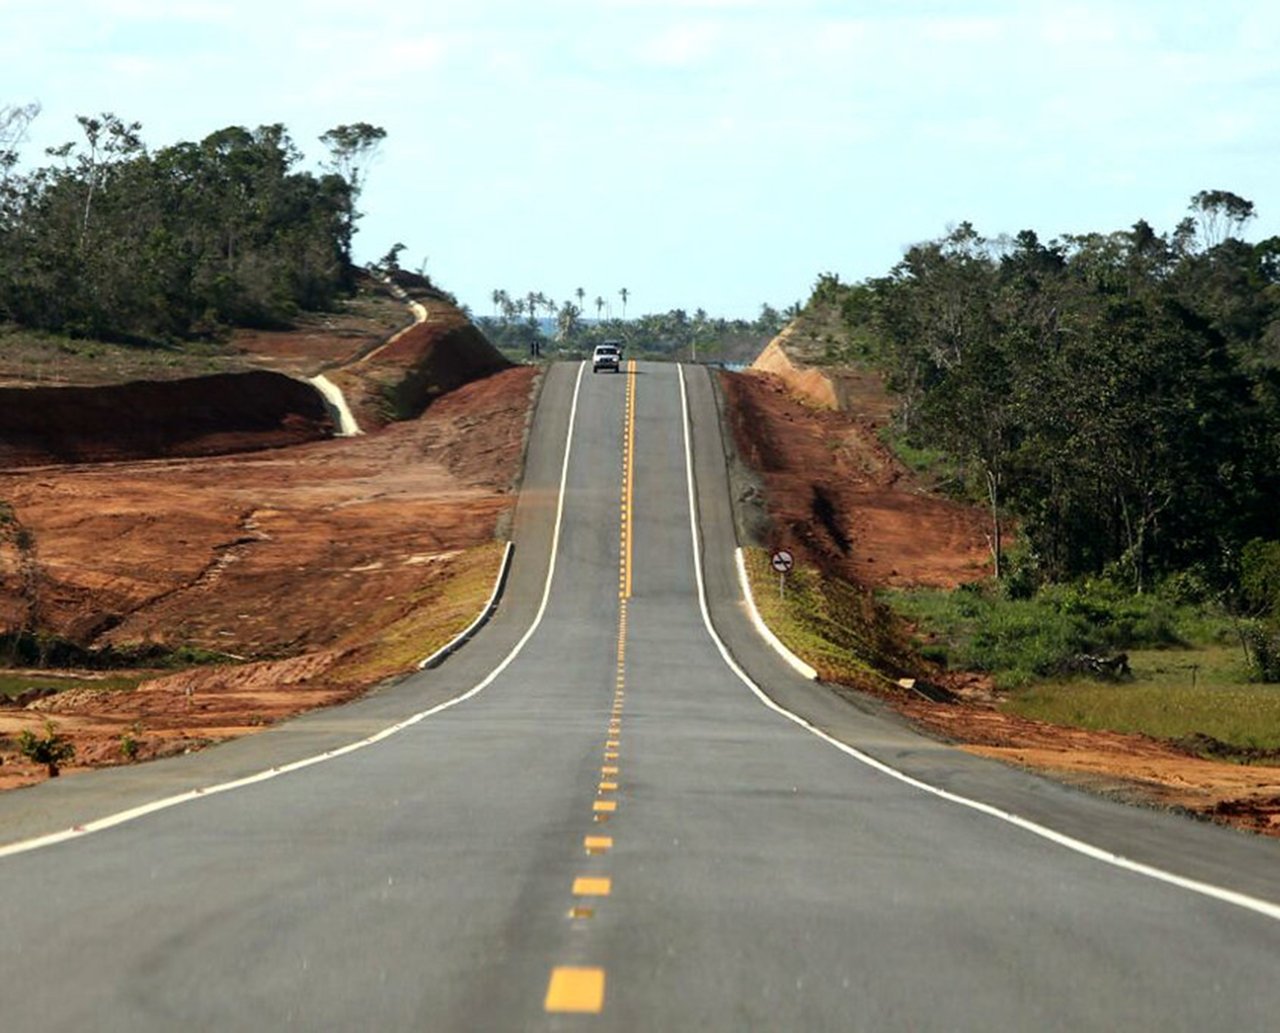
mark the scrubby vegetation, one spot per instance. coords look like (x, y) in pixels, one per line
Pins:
(835, 626)
(115, 242)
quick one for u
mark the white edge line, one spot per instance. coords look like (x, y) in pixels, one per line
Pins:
(802, 668)
(451, 647)
(121, 817)
(1219, 893)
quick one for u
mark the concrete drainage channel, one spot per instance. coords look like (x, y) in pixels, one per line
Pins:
(334, 400)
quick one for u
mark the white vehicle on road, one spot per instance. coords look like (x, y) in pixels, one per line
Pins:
(607, 356)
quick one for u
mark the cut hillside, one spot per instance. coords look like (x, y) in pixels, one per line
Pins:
(295, 575)
(807, 429)
(837, 497)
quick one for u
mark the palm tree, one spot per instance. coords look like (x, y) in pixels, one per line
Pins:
(497, 296)
(599, 307)
(579, 293)
(624, 294)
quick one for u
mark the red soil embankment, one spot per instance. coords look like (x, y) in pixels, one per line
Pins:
(200, 416)
(839, 498)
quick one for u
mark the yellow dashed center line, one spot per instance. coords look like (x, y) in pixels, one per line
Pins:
(575, 990)
(628, 478)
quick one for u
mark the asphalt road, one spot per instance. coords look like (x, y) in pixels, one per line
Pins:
(616, 832)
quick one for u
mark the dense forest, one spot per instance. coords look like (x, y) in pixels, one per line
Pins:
(113, 241)
(1116, 394)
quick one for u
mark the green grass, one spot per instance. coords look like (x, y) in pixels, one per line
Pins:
(834, 626)
(1020, 641)
(1190, 679)
(1175, 694)
(13, 684)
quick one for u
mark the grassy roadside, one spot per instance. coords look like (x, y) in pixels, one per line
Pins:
(15, 683)
(393, 640)
(834, 626)
(1189, 683)
(1196, 696)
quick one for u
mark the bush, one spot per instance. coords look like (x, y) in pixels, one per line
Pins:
(1260, 577)
(51, 750)
(1261, 642)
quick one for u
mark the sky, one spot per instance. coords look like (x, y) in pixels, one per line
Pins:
(714, 154)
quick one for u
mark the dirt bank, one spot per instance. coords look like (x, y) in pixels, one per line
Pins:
(323, 566)
(837, 497)
(217, 414)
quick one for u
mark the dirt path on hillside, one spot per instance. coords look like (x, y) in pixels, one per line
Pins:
(836, 496)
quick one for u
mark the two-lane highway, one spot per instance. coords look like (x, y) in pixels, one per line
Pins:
(617, 833)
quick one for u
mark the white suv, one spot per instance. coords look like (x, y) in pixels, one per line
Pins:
(606, 356)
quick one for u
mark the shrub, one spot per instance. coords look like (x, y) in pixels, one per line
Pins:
(1261, 641)
(51, 750)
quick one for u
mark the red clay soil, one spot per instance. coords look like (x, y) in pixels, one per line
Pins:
(221, 413)
(416, 366)
(282, 556)
(841, 501)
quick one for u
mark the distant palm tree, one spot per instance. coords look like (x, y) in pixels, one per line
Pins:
(599, 307)
(624, 294)
(497, 296)
(580, 294)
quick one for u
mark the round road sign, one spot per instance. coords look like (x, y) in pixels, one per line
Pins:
(783, 561)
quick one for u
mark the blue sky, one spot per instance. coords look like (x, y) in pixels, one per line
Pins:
(713, 153)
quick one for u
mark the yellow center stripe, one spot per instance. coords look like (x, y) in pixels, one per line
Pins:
(628, 480)
(575, 990)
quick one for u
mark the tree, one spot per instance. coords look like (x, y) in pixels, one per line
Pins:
(109, 139)
(15, 121)
(624, 294)
(1221, 214)
(599, 307)
(567, 321)
(352, 149)
(579, 293)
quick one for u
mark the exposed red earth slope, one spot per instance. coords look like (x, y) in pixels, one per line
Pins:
(292, 558)
(837, 497)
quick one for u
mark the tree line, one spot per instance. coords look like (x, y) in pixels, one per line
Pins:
(111, 240)
(533, 323)
(1116, 394)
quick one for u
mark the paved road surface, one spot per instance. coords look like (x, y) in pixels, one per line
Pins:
(616, 833)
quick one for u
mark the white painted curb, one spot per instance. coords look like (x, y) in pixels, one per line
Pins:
(499, 583)
(803, 668)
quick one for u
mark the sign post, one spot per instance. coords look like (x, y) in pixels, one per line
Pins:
(782, 562)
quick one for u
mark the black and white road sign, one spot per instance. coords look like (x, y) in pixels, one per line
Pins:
(783, 561)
